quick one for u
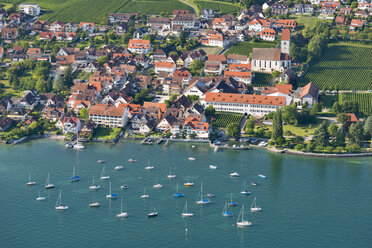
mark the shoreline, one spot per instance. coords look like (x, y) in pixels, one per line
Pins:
(272, 150)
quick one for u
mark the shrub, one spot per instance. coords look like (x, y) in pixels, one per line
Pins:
(300, 147)
(271, 142)
(339, 149)
(329, 149)
(319, 148)
(288, 133)
(353, 148)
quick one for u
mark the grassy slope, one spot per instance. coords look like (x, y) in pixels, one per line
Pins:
(343, 65)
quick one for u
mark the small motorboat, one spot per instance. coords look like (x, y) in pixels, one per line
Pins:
(124, 186)
(191, 158)
(152, 214)
(245, 192)
(234, 174)
(213, 167)
(69, 145)
(132, 160)
(262, 176)
(94, 205)
(145, 196)
(170, 176)
(193, 146)
(209, 195)
(188, 184)
(101, 161)
(119, 167)
(177, 195)
(79, 145)
(255, 183)
(149, 167)
(157, 186)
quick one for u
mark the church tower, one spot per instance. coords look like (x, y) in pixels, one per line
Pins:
(286, 41)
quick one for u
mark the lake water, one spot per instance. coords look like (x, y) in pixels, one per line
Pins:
(306, 202)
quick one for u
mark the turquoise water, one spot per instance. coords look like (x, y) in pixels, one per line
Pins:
(307, 202)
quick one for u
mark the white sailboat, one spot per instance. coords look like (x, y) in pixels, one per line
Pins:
(48, 185)
(157, 185)
(225, 211)
(149, 167)
(94, 186)
(103, 176)
(144, 194)
(242, 222)
(170, 175)
(185, 213)
(94, 205)
(111, 195)
(244, 191)
(40, 198)
(202, 201)
(254, 207)
(119, 167)
(74, 178)
(30, 183)
(188, 184)
(213, 167)
(234, 174)
(59, 205)
(122, 214)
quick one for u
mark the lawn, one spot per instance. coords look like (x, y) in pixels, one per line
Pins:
(8, 89)
(303, 20)
(301, 130)
(210, 50)
(98, 10)
(106, 133)
(342, 66)
(261, 79)
(245, 48)
(328, 100)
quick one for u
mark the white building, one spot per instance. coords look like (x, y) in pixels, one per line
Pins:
(244, 103)
(108, 115)
(139, 46)
(30, 9)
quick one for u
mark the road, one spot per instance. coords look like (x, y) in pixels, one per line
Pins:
(192, 6)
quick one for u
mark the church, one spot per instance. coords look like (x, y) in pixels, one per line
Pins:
(270, 59)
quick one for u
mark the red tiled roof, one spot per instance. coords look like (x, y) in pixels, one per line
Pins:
(310, 89)
(239, 74)
(161, 64)
(267, 32)
(107, 110)
(245, 99)
(162, 106)
(286, 34)
(239, 67)
(135, 43)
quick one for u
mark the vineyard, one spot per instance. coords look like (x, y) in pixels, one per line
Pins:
(262, 79)
(224, 119)
(342, 67)
(364, 100)
(224, 7)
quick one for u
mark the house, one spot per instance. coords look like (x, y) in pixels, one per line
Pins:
(340, 20)
(208, 13)
(365, 6)
(39, 26)
(309, 94)
(141, 123)
(357, 24)
(165, 66)
(215, 38)
(6, 105)
(139, 46)
(9, 34)
(329, 8)
(18, 114)
(279, 90)
(52, 112)
(88, 129)
(172, 85)
(166, 123)
(177, 12)
(242, 76)
(30, 99)
(56, 26)
(122, 17)
(5, 123)
(184, 74)
(70, 27)
(279, 9)
(244, 103)
(196, 88)
(185, 20)
(361, 14)
(239, 67)
(159, 55)
(87, 27)
(115, 98)
(140, 32)
(267, 34)
(221, 24)
(237, 59)
(213, 67)
(30, 9)
(69, 124)
(345, 10)
(195, 126)
(303, 8)
(190, 57)
(34, 53)
(108, 115)
(285, 23)
(351, 118)
(158, 23)
(46, 36)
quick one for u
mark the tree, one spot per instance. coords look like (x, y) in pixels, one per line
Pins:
(290, 114)
(354, 5)
(276, 74)
(321, 135)
(196, 66)
(340, 137)
(277, 134)
(142, 96)
(68, 79)
(332, 129)
(49, 85)
(368, 125)
(233, 130)
(209, 111)
(84, 114)
(356, 133)
(41, 86)
(249, 126)
(193, 98)
(102, 60)
(58, 84)
(334, 33)
(192, 135)
(342, 118)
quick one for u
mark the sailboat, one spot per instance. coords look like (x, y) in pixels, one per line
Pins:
(111, 195)
(149, 167)
(59, 205)
(30, 183)
(185, 213)
(153, 214)
(177, 194)
(94, 205)
(74, 178)
(103, 176)
(170, 175)
(122, 214)
(225, 211)
(231, 203)
(47, 184)
(244, 191)
(79, 145)
(157, 185)
(213, 167)
(242, 222)
(144, 194)
(40, 198)
(202, 201)
(119, 167)
(254, 207)
(188, 184)
(94, 186)
(234, 174)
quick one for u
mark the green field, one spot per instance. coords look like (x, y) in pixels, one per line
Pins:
(224, 119)
(98, 10)
(303, 20)
(261, 79)
(343, 67)
(245, 48)
(223, 7)
(106, 133)
(364, 100)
